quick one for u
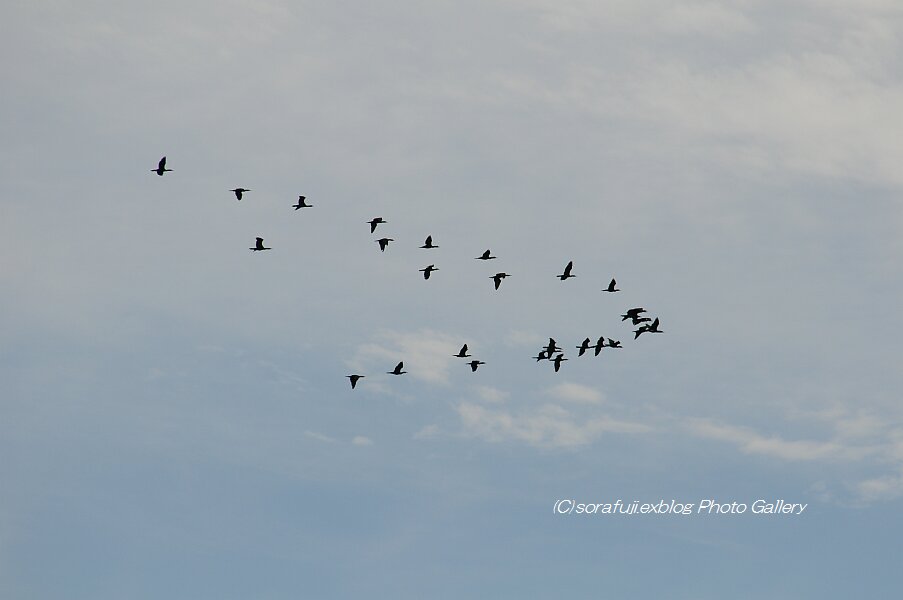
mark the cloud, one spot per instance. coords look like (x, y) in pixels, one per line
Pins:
(360, 440)
(548, 425)
(426, 432)
(574, 392)
(427, 354)
(319, 437)
(491, 394)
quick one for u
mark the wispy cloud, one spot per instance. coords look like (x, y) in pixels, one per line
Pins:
(575, 392)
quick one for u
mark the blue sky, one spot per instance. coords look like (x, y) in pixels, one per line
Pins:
(176, 420)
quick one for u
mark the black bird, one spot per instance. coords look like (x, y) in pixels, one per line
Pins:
(383, 242)
(558, 359)
(600, 343)
(638, 332)
(354, 379)
(161, 167)
(474, 364)
(498, 278)
(375, 222)
(614, 343)
(428, 243)
(398, 369)
(552, 348)
(541, 356)
(638, 320)
(485, 256)
(463, 353)
(567, 272)
(611, 287)
(259, 245)
(428, 270)
(583, 347)
(301, 203)
(654, 327)
(632, 313)
(239, 192)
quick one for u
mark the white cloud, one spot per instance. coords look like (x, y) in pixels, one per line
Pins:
(319, 436)
(548, 425)
(490, 394)
(360, 440)
(574, 392)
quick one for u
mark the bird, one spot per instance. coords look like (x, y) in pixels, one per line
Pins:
(161, 167)
(374, 222)
(259, 245)
(614, 343)
(558, 358)
(552, 348)
(239, 192)
(498, 278)
(567, 272)
(541, 356)
(485, 256)
(383, 242)
(428, 270)
(638, 320)
(638, 332)
(653, 328)
(428, 243)
(398, 369)
(463, 352)
(301, 203)
(583, 347)
(354, 379)
(474, 364)
(600, 343)
(632, 313)
(611, 287)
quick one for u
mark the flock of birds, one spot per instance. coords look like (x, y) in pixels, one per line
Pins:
(550, 352)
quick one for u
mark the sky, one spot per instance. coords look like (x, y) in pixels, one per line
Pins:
(175, 418)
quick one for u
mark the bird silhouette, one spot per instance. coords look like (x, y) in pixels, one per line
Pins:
(583, 347)
(653, 328)
(474, 364)
(611, 287)
(632, 313)
(463, 352)
(552, 348)
(614, 343)
(541, 356)
(428, 270)
(558, 358)
(567, 272)
(486, 256)
(161, 167)
(398, 369)
(354, 379)
(259, 246)
(600, 343)
(375, 222)
(428, 243)
(239, 192)
(383, 242)
(498, 278)
(301, 203)
(638, 320)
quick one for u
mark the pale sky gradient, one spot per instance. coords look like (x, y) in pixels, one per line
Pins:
(175, 421)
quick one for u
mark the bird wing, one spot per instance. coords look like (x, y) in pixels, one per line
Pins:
(162, 164)
(567, 269)
(260, 243)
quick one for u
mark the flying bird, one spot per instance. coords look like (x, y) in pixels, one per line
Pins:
(398, 369)
(428, 270)
(567, 272)
(383, 242)
(259, 245)
(301, 203)
(653, 328)
(239, 192)
(354, 379)
(428, 243)
(632, 313)
(558, 358)
(611, 287)
(600, 343)
(583, 347)
(614, 343)
(474, 364)
(552, 348)
(161, 167)
(498, 278)
(463, 352)
(485, 256)
(375, 222)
